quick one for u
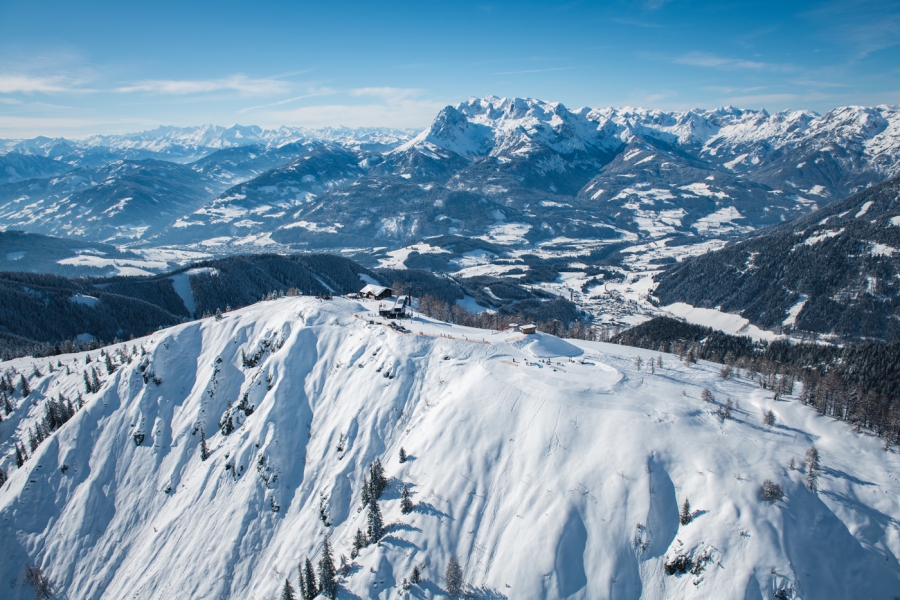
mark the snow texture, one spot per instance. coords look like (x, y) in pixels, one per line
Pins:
(553, 478)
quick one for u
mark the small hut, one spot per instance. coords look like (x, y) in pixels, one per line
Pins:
(376, 292)
(529, 329)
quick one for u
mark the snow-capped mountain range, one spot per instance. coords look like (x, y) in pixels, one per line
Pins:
(210, 459)
(613, 173)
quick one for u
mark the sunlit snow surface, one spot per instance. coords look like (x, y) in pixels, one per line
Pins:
(547, 479)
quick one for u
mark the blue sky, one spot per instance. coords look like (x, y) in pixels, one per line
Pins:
(75, 68)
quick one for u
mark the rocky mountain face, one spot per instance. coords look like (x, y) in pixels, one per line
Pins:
(488, 166)
(834, 271)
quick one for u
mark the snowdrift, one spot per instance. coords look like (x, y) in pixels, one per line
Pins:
(553, 478)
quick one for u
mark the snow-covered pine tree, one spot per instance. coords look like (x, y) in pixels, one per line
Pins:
(204, 450)
(88, 388)
(706, 395)
(95, 380)
(308, 587)
(26, 389)
(377, 478)
(32, 440)
(406, 505)
(3, 477)
(685, 516)
(366, 491)
(375, 522)
(769, 418)
(402, 455)
(287, 592)
(454, 577)
(359, 542)
(226, 422)
(323, 510)
(110, 367)
(327, 582)
(812, 468)
(20, 456)
(416, 576)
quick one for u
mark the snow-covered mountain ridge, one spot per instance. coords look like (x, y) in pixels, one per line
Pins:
(551, 469)
(496, 126)
(193, 142)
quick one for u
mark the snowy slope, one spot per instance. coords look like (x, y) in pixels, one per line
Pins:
(546, 480)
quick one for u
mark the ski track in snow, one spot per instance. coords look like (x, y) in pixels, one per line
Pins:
(535, 475)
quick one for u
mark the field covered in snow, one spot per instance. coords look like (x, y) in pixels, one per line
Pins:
(550, 468)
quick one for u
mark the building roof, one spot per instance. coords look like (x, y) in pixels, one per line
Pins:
(373, 289)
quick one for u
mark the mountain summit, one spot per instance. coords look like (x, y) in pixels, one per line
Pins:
(211, 459)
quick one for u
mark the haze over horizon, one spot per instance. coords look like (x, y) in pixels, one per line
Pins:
(101, 67)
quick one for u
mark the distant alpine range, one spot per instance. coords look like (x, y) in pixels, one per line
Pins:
(490, 167)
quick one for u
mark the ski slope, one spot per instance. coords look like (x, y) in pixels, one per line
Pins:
(550, 468)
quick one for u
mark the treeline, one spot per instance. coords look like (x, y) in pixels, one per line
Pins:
(858, 384)
(829, 259)
(557, 317)
(42, 315)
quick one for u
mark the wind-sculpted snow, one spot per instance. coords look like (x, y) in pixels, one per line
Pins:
(550, 468)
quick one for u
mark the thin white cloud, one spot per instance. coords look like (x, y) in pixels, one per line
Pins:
(408, 113)
(388, 94)
(238, 83)
(11, 83)
(699, 59)
(764, 100)
(313, 94)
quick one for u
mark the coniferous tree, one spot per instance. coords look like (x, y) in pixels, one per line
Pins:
(25, 388)
(454, 577)
(812, 468)
(110, 368)
(7, 404)
(375, 522)
(95, 381)
(204, 450)
(88, 388)
(32, 441)
(308, 587)
(20, 455)
(402, 455)
(359, 542)
(406, 505)
(366, 492)
(323, 510)
(377, 479)
(416, 576)
(769, 418)
(287, 592)
(327, 582)
(3, 477)
(685, 517)
(706, 395)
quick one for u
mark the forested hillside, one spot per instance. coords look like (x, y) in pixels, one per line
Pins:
(835, 271)
(859, 384)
